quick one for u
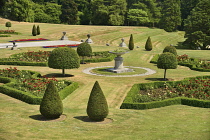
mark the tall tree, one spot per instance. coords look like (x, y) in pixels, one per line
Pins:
(137, 17)
(171, 15)
(111, 12)
(197, 26)
(20, 10)
(69, 12)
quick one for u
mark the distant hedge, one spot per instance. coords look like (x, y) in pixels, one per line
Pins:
(191, 66)
(128, 102)
(12, 61)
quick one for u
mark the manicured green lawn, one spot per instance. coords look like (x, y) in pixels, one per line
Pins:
(167, 123)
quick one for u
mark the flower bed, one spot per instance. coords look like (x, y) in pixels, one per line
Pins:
(30, 86)
(190, 91)
(22, 40)
(192, 63)
(8, 32)
(56, 46)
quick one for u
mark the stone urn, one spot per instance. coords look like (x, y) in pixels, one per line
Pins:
(118, 67)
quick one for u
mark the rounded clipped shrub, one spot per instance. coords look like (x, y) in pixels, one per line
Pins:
(51, 106)
(148, 45)
(97, 108)
(8, 24)
(131, 43)
(84, 49)
(166, 61)
(34, 31)
(170, 49)
(63, 58)
(38, 30)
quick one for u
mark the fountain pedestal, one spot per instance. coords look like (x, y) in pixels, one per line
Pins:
(119, 68)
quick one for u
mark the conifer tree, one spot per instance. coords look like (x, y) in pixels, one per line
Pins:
(131, 43)
(97, 108)
(38, 30)
(34, 31)
(148, 45)
(51, 106)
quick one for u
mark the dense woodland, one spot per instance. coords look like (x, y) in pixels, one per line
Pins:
(192, 16)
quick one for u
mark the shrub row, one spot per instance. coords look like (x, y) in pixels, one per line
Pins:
(27, 97)
(128, 102)
(13, 61)
(5, 35)
(191, 66)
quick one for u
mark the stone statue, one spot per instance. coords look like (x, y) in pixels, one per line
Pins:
(89, 41)
(64, 37)
(123, 43)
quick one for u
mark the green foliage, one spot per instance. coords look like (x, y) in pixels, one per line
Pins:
(171, 15)
(8, 24)
(129, 103)
(38, 30)
(51, 106)
(63, 58)
(84, 49)
(97, 108)
(34, 31)
(197, 26)
(148, 45)
(111, 12)
(69, 12)
(131, 43)
(170, 49)
(166, 61)
(137, 17)
(20, 10)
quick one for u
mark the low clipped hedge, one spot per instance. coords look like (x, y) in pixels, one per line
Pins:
(27, 97)
(128, 102)
(12, 61)
(5, 35)
(191, 66)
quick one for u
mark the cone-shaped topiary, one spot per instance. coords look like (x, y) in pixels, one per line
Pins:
(170, 49)
(63, 58)
(51, 106)
(166, 61)
(97, 108)
(148, 45)
(38, 30)
(8, 24)
(34, 31)
(84, 49)
(131, 43)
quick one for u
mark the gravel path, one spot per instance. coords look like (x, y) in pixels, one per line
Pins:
(38, 43)
(149, 72)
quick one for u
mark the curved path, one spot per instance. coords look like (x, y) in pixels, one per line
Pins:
(38, 43)
(149, 72)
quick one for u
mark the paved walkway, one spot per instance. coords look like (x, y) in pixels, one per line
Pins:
(38, 43)
(149, 72)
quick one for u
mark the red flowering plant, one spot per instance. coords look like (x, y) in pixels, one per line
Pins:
(31, 56)
(36, 39)
(197, 62)
(6, 31)
(195, 88)
(26, 82)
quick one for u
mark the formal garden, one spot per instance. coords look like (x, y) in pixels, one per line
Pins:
(45, 93)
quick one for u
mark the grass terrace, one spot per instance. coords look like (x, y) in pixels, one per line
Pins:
(18, 120)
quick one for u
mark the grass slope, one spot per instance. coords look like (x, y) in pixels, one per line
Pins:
(167, 123)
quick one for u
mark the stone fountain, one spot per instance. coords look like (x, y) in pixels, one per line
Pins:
(119, 68)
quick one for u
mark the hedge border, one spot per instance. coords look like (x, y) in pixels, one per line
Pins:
(192, 67)
(30, 98)
(129, 104)
(12, 61)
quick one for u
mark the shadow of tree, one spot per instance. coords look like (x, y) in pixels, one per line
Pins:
(58, 75)
(39, 117)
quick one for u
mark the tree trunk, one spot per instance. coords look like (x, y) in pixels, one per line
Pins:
(165, 74)
(63, 72)
(83, 59)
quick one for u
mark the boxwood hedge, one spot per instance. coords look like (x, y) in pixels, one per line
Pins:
(128, 102)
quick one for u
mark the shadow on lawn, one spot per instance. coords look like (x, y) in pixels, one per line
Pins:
(159, 79)
(39, 117)
(87, 119)
(58, 75)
